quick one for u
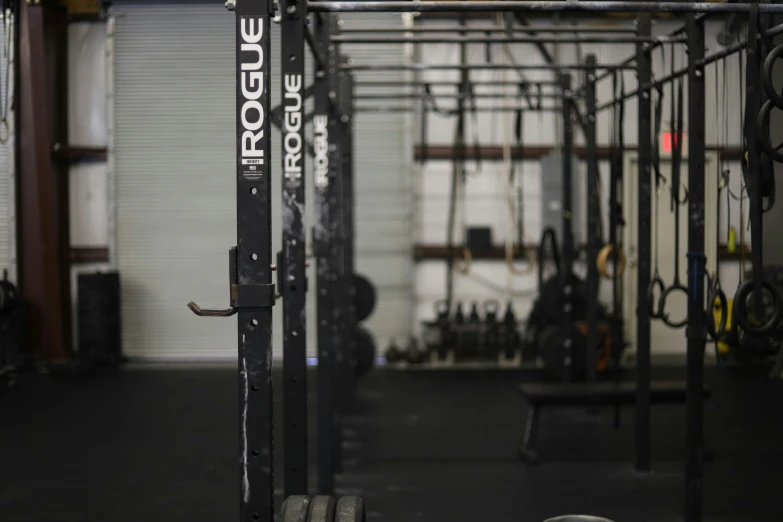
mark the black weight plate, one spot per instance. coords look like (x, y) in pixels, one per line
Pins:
(553, 353)
(548, 308)
(295, 509)
(365, 350)
(364, 297)
(8, 297)
(322, 509)
(350, 509)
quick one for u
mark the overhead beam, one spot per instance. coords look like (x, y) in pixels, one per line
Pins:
(439, 252)
(495, 152)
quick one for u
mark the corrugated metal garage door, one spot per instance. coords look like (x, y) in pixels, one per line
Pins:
(7, 173)
(173, 159)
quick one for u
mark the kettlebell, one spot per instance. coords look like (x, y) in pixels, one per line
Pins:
(459, 315)
(458, 329)
(414, 354)
(471, 340)
(393, 352)
(491, 330)
(510, 329)
(474, 314)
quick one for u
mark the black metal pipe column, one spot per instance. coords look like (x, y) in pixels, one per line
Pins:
(291, 264)
(457, 168)
(350, 223)
(252, 259)
(593, 224)
(644, 76)
(568, 233)
(335, 246)
(616, 223)
(338, 216)
(346, 239)
(696, 330)
(321, 245)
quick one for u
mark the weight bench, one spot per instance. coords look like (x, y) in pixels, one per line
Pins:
(563, 395)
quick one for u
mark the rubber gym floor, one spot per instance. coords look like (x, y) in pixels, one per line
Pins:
(157, 445)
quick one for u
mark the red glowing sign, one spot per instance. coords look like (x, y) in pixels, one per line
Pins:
(669, 140)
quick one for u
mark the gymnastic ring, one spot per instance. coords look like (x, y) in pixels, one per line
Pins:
(762, 132)
(5, 132)
(740, 308)
(717, 333)
(467, 258)
(531, 261)
(766, 76)
(603, 257)
(662, 306)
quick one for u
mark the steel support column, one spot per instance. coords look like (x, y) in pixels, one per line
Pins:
(335, 246)
(349, 204)
(593, 223)
(343, 217)
(696, 329)
(644, 76)
(457, 170)
(322, 178)
(252, 258)
(568, 233)
(291, 264)
(44, 267)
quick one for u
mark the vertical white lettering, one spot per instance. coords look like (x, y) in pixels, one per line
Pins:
(321, 146)
(292, 141)
(252, 87)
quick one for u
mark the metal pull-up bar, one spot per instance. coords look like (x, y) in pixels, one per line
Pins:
(405, 108)
(492, 29)
(712, 58)
(631, 59)
(451, 96)
(549, 6)
(440, 83)
(501, 41)
(478, 66)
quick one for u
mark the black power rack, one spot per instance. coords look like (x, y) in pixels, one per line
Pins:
(253, 293)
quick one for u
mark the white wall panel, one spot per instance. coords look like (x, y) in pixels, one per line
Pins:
(88, 208)
(87, 126)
